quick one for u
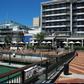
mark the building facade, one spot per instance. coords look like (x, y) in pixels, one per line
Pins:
(14, 30)
(36, 22)
(63, 18)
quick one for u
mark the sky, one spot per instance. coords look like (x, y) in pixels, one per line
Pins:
(22, 11)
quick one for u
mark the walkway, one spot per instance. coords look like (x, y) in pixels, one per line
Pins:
(76, 70)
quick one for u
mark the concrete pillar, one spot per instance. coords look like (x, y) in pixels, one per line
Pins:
(23, 77)
(71, 18)
(46, 73)
(67, 42)
(82, 43)
(66, 69)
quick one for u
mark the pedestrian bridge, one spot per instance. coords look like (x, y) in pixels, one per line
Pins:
(45, 71)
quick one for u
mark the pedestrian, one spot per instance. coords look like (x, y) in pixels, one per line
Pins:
(76, 53)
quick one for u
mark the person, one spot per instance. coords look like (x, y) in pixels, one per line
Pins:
(76, 53)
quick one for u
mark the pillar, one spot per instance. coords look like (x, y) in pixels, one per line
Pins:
(82, 43)
(67, 42)
(66, 69)
(23, 76)
(46, 73)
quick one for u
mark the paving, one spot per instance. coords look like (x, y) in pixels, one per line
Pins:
(76, 70)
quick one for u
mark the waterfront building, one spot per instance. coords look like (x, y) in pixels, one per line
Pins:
(63, 19)
(14, 30)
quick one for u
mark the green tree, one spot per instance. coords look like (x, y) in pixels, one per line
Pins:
(7, 40)
(40, 37)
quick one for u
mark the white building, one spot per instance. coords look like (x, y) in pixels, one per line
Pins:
(64, 19)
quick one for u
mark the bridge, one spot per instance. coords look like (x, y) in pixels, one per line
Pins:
(45, 71)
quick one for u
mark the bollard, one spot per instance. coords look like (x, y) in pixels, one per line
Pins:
(66, 69)
(46, 73)
(23, 77)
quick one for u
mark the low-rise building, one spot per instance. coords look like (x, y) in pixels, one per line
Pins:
(15, 30)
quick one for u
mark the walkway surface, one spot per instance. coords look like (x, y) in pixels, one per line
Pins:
(76, 70)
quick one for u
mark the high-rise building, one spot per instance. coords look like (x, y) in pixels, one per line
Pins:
(36, 22)
(63, 17)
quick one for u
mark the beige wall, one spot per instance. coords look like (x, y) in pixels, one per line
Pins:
(36, 22)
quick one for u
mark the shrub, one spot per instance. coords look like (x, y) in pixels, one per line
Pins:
(78, 48)
(67, 48)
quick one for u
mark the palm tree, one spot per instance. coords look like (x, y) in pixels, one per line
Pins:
(40, 37)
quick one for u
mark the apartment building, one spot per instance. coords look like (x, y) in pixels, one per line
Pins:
(63, 18)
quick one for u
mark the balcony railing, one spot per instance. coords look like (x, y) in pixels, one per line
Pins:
(81, 19)
(82, 13)
(78, 25)
(59, 14)
(56, 20)
(61, 8)
(56, 26)
(80, 7)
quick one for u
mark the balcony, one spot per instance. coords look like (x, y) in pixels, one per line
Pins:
(80, 7)
(59, 14)
(82, 13)
(80, 32)
(78, 25)
(61, 8)
(79, 19)
(56, 20)
(56, 26)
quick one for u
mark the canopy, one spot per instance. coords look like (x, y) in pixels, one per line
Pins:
(71, 42)
(44, 42)
(49, 42)
(65, 42)
(78, 42)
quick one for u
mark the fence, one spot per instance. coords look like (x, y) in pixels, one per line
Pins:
(37, 72)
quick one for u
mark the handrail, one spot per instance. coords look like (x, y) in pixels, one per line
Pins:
(65, 56)
(20, 69)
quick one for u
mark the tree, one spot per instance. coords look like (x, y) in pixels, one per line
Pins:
(7, 40)
(40, 37)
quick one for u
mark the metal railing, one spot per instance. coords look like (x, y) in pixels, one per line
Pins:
(39, 72)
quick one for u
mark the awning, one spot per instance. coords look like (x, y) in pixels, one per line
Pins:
(49, 42)
(65, 42)
(77, 42)
(71, 42)
(1, 42)
(44, 42)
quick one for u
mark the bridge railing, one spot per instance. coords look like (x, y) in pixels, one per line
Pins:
(32, 72)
